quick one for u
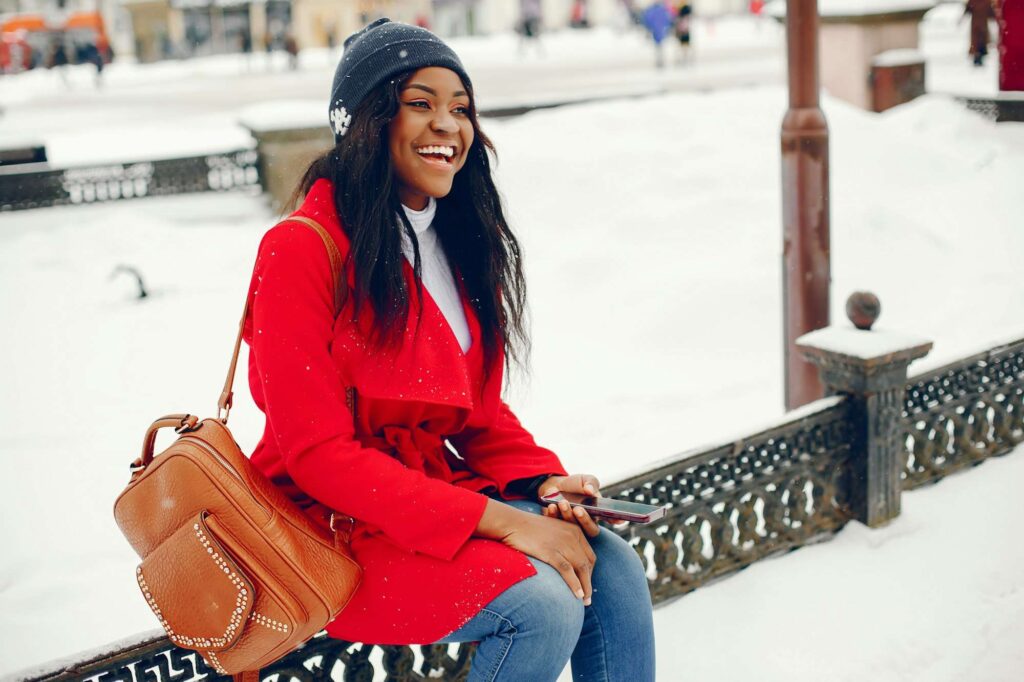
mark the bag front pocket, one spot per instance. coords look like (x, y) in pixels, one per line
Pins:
(197, 591)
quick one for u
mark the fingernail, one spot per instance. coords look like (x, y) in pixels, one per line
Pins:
(586, 602)
(579, 511)
(579, 593)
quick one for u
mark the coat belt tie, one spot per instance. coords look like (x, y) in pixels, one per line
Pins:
(414, 447)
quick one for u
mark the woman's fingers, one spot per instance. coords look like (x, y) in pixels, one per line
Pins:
(583, 571)
(586, 522)
(572, 577)
(563, 547)
(576, 515)
(585, 484)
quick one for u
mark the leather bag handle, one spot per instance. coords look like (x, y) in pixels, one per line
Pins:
(179, 422)
(227, 395)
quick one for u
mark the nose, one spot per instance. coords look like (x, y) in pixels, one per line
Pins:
(444, 122)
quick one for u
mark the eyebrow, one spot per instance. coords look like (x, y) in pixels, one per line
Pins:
(425, 88)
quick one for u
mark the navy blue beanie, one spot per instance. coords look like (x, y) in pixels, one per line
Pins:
(378, 52)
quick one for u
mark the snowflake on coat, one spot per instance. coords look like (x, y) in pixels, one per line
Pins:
(340, 120)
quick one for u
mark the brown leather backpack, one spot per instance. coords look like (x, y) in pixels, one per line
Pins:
(231, 567)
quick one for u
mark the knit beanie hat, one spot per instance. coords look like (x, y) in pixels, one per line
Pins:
(379, 51)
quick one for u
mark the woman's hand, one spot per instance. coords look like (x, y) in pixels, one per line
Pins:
(561, 546)
(584, 484)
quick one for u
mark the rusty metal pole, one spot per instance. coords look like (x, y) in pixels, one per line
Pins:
(805, 203)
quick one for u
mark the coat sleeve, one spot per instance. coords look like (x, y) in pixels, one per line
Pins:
(502, 450)
(292, 326)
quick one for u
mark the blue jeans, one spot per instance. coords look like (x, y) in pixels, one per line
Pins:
(529, 631)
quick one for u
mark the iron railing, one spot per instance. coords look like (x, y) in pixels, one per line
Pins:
(958, 415)
(743, 501)
(24, 186)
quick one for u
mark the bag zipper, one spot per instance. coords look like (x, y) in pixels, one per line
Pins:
(226, 464)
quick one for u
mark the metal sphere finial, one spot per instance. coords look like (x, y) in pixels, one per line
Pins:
(863, 308)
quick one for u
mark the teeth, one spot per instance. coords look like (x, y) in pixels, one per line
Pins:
(446, 151)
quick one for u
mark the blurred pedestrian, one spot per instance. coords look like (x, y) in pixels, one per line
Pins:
(981, 11)
(658, 22)
(757, 10)
(245, 46)
(91, 54)
(268, 48)
(578, 16)
(682, 29)
(58, 60)
(529, 25)
(291, 46)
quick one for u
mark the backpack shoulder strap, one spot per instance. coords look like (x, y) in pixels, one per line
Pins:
(226, 396)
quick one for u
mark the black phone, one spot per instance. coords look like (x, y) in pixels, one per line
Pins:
(610, 508)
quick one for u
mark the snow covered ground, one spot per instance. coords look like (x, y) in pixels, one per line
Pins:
(654, 261)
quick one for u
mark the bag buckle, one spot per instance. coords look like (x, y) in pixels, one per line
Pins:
(351, 523)
(188, 423)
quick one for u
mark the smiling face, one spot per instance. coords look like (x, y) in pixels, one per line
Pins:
(430, 136)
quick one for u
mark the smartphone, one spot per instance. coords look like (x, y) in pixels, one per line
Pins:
(609, 508)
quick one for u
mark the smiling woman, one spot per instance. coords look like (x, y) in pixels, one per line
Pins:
(383, 393)
(430, 135)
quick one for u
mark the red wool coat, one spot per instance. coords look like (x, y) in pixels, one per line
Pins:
(416, 504)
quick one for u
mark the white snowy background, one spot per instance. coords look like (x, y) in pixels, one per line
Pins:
(652, 232)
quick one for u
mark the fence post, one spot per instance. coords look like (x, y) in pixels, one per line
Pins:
(870, 367)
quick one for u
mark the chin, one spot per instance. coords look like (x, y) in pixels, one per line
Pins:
(438, 192)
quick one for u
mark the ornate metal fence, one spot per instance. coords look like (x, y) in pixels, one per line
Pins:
(740, 502)
(998, 109)
(32, 186)
(963, 413)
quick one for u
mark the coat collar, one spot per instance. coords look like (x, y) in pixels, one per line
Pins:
(430, 365)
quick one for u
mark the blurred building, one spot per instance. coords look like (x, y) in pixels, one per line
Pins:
(162, 29)
(181, 28)
(483, 17)
(79, 20)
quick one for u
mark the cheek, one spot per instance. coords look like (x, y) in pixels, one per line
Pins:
(467, 143)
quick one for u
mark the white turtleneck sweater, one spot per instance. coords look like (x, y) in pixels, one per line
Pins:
(436, 274)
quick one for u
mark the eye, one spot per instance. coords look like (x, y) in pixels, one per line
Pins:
(420, 103)
(462, 109)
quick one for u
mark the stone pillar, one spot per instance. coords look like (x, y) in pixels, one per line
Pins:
(870, 368)
(289, 136)
(257, 25)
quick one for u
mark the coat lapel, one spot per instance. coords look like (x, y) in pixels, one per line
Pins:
(429, 367)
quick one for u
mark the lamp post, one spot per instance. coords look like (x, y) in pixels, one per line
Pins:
(805, 203)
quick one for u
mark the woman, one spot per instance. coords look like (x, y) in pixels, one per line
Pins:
(442, 481)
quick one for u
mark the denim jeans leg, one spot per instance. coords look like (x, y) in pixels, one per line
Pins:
(525, 633)
(530, 630)
(617, 640)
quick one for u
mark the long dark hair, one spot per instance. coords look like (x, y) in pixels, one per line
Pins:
(469, 221)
